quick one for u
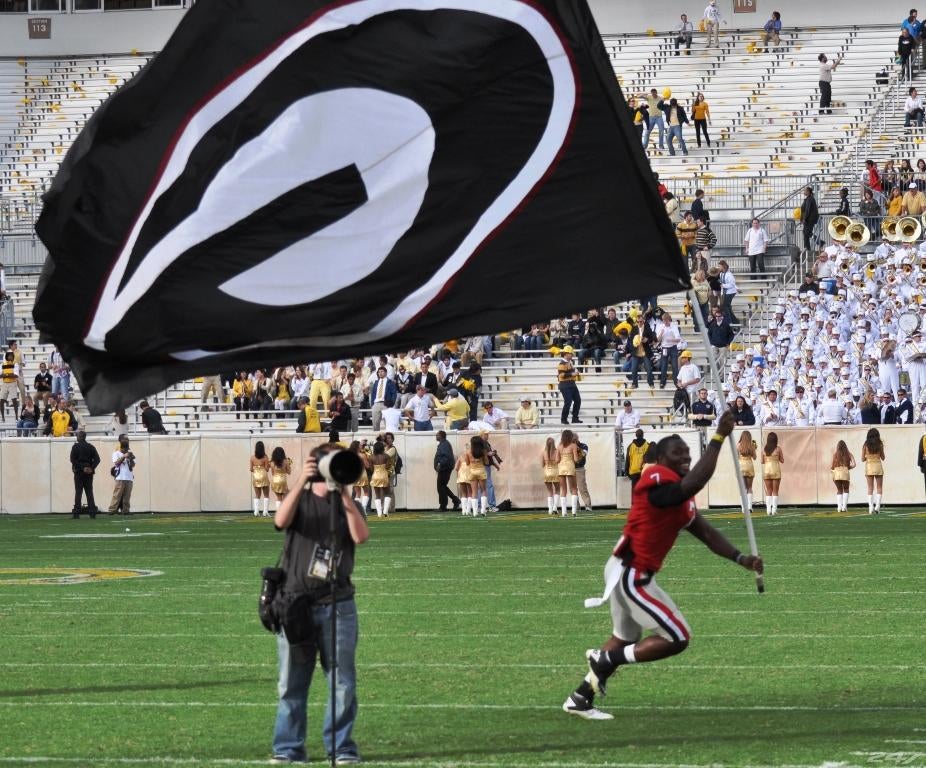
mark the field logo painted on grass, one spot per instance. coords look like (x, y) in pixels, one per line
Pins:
(19, 576)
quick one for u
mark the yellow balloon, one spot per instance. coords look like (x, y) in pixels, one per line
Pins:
(666, 93)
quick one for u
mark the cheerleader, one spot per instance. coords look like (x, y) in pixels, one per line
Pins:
(549, 459)
(463, 487)
(873, 455)
(746, 448)
(260, 479)
(568, 455)
(362, 486)
(772, 459)
(280, 467)
(842, 462)
(380, 479)
(474, 457)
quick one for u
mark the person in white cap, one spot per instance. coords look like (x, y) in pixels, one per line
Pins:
(800, 409)
(887, 363)
(914, 201)
(713, 18)
(689, 375)
(773, 414)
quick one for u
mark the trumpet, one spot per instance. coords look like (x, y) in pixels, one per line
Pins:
(889, 228)
(838, 226)
(891, 279)
(922, 281)
(907, 269)
(909, 229)
(923, 265)
(844, 267)
(858, 235)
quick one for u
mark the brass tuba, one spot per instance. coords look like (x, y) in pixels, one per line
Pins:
(858, 235)
(909, 229)
(922, 281)
(889, 228)
(838, 226)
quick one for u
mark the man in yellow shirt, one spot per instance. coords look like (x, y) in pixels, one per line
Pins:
(61, 422)
(456, 408)
(686, 231)
(526, 417)
(308, 417)
(914, 201)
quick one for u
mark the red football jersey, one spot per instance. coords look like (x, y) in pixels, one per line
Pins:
(651, 531)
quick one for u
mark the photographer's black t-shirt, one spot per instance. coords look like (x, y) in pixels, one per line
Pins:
(310, 527)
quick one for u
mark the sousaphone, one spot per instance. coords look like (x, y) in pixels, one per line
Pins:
(838, 226)
(858, 235)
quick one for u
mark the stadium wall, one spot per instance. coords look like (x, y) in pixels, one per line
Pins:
(209, 473)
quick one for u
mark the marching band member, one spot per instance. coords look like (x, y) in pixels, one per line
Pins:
(887, 365)
(772, 411)
(914, 354)
(800, 411)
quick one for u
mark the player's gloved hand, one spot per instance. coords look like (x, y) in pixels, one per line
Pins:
(726, 423)
(753, 563)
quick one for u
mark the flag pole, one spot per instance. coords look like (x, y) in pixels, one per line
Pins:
(747, 511)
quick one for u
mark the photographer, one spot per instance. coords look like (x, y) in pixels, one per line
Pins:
(124, 472)
(304, 515)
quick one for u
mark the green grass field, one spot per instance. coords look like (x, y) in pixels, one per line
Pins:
(472, 634)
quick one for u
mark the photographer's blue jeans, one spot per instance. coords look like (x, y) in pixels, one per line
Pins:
(490, 486)
(296, 676)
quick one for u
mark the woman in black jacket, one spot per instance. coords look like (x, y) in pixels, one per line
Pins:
(869, 409)
(742, 413)
(593, 345)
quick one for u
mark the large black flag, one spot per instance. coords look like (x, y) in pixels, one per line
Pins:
(304, 180)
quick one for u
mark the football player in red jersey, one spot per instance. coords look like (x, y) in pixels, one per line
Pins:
(662, 506)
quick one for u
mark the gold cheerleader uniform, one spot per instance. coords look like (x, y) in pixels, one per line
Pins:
(873, 466)
(841, 474)
(477, 471)
(259, 477)
(278, 483)
(567, 466)
(380, 477)
(550, 472)
(463, 475)
(771, 468)
(364, 480)
(747, 466)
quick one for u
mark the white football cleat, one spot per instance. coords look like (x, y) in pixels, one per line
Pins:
(579, 706)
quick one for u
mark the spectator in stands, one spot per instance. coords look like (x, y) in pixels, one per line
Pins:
(452, 380)
(425, 378)
(627, 419)
(919, 176)
(713, 18)
(298, 386)
(211, 385)
(669, 337)
(698, 211)
(742, 413)
(702, 294)
(914, 27)
(470, 385)
(906, 45)
(871, 211)
(382, 395)
(3, 295)
(526, 417)
(719, 331)
(687, 232)
(263, 391)
(151, 419)
(755, 244)
(827, 68)
(9, 391)
(676, 117)
(593, 345)
(689, 375)
(28, 420)
(673, 211)
(810, 215)
(339, 413)
(457, 409)
(890, 179)
(640, 344)
(914, 201)
(809, 285)
(308, 420)
(241, 393)
(404, 386)
(661, 188)
(728, 291)
(634, 457)
(871, 179)
(771, 32)
(495, 417)
(703, 411)
(20, 361)
(61, 421)
(655, 106)
(844, 208)
(683, 33)
(700, 113)
(640, 113)
(870, 412)
(42, 384)
(566, 382)
(903, 413)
